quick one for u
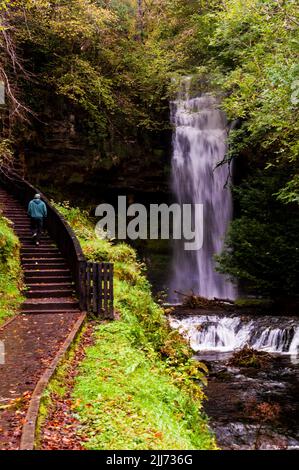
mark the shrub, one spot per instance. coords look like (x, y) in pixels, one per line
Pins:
(10, 270)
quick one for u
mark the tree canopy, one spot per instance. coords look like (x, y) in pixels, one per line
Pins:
(112, 63)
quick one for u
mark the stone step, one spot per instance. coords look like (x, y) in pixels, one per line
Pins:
(50, 286)
(14, 212)
(10, 215)
(31, 280)
(29, 273)
(12, 201)
(42, 244)
(20, 219)
(42, 266)
(18, 214)
(40, 249)
(31, 246)
(45, 264)
(21, 222)
(57, 310)
(44, 238)
(53, 259)
(50, 304)
(56, 293)
(27, 222)
(20, 232)
(40, 256)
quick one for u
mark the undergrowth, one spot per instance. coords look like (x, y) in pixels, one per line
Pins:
(138, 387)
(10, 271)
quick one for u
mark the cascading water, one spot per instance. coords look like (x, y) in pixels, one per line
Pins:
(223, 334)
(199, 144)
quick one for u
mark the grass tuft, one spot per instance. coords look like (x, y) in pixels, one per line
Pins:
(10, 271)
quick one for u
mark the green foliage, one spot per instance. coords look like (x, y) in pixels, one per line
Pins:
(91, 58)
(10, 271)
(146, 350)
(255, 303)
(6, 154)
(248, 50)
(85, 53)
(257, 44)
(126, 399)
(290, 193)
(262, 247)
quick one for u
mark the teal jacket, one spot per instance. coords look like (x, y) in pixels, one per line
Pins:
(37, 209)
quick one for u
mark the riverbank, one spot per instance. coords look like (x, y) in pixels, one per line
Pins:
(253, 409)
(137, 386)
(242, 307)
(251, 404)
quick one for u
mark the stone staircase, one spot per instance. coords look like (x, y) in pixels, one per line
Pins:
(49, 286)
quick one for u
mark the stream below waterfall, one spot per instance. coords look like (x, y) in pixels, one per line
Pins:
(248, 408)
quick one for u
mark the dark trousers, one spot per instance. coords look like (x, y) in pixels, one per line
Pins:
(36, 227)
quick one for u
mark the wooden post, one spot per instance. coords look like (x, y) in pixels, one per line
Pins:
(94, 288)
(111, 293)
(88, 290)
(82, 285)
(100, 288)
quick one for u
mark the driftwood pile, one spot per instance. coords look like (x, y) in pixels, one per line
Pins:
(249, 357)
(196, 301)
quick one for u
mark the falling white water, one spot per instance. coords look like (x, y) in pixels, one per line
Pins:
(223, 334)
(199, 144)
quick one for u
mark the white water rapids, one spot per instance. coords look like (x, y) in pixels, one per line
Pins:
(199, 144)
(224, 334)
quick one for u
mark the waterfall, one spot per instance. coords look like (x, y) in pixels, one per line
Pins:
(223, 334)
(199, 143)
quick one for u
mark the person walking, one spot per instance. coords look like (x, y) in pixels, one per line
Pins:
(37, 210)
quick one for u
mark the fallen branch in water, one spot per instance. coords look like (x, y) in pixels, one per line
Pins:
(226, 301)
(196, 301)
(249, 357)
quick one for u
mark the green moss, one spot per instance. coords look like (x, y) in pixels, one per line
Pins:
(10, 271)
(246, 302)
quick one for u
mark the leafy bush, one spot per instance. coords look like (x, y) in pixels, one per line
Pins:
(127, 400)
(10, 270)
(142, 347)
(262, 248)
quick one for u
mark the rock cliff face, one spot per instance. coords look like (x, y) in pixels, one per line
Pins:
(60, 156)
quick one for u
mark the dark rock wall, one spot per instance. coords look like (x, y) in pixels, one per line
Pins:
(59, 157)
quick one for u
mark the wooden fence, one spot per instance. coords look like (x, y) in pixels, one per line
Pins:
(97, 288)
